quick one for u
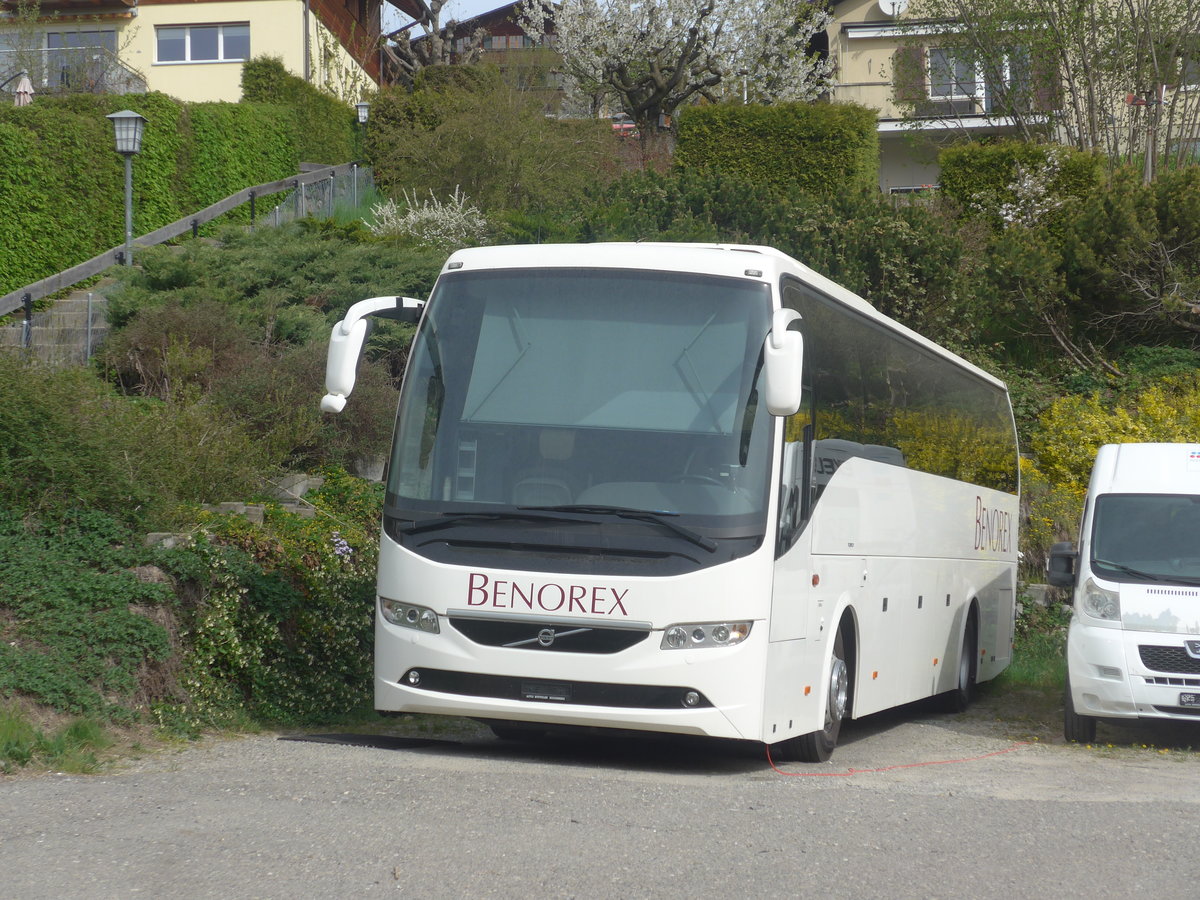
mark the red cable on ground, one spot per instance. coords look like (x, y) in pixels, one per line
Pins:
(935, 762)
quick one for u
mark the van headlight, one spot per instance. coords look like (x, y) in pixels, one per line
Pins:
(1100, 603)
(408, 615)
(704, 634)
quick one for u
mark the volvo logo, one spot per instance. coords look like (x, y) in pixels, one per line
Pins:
(1193, 649)
(546, 637)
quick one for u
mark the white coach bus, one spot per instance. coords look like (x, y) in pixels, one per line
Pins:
(682, 488)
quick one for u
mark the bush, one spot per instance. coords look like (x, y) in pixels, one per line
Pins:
(324, 125)
(432, 224)
(81, 631)
(819, 148)
(496, 145)
(73, 442)
(282, 627)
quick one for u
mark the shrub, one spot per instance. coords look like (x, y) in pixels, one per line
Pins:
(431, 223)
(496, 145)
(81, 631)
(819, 148)
(282, 626)
(73, 442)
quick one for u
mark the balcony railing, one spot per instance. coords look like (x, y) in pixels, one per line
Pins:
(73, 70)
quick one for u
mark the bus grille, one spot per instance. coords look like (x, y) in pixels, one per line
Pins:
(559, 637)
(581, 693)
(1168, 659)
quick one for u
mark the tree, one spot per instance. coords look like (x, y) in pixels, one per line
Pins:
(433, 46)
(653, 56)
(1108, 76)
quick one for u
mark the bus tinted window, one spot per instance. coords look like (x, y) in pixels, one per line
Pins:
(875, 393)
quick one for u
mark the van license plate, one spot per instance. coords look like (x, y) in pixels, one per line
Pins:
(1189, 698)
(545, 690)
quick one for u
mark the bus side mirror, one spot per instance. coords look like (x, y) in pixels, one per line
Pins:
(347, 339)
(783, 360)
(1060, 567)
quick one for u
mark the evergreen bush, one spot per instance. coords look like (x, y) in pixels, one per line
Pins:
(820, 148)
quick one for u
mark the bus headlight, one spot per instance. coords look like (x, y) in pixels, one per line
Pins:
(1100, 602)
(704, 634)
(409, 616)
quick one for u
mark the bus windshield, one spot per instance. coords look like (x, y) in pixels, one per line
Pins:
(1147, 538)
(586, 389)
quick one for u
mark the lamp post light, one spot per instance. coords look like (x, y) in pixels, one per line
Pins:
(128, 127)
(363, 108)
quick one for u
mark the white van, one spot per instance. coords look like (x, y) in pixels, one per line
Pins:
(1133, 648)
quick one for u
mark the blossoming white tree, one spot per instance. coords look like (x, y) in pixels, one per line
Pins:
(653, 56)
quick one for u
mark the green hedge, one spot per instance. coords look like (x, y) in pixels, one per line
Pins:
(324, 124)
(983, 174)
(62, 195)
(814, 147)
(231, 146)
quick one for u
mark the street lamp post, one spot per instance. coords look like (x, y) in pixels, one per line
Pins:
(128, 127)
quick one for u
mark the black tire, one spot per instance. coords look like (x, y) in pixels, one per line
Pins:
(818, 746)
(1076, 728)
(959, 698)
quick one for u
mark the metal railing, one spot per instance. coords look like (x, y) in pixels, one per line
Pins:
(74, 70)
(319, 193)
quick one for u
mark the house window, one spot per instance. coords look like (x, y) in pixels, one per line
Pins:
(951, 78)
(105, 38)
(203, 43)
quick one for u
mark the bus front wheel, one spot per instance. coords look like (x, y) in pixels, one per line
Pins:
(817, 746)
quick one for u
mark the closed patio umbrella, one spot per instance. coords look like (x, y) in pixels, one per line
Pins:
(23, 96)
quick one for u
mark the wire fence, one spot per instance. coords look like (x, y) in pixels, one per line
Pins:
(69, 332)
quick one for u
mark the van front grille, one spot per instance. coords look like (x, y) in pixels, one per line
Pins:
(1174, 660)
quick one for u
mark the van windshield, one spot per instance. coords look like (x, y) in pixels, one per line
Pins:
(1146, 538)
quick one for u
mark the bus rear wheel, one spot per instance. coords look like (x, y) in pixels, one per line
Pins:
(817, 746)
(959, 698)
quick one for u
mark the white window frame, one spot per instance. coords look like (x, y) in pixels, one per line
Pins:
(187, 44)
(948, 55)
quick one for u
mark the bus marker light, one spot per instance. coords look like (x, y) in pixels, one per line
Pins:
(874, 675)
(816, 580)
(935, 660)
(807, 689)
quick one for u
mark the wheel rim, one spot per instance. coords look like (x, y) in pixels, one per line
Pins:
(964, 668)
(839, 693)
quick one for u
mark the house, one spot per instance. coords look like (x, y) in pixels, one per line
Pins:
(907, 70)
(192, 51)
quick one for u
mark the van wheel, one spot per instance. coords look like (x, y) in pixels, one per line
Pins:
(1076, 728)
(958, 699)
(817, 746)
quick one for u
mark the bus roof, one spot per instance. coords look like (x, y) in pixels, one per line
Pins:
(747, 261)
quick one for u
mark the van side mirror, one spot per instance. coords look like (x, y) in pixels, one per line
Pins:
(783, 361)
(347, 339)
(1060, 567)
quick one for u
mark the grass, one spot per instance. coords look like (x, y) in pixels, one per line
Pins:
(73, 747)
(1039, 653)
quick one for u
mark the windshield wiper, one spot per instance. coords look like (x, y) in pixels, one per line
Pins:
(654, 517)
(448, 520)
(1140, 574)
